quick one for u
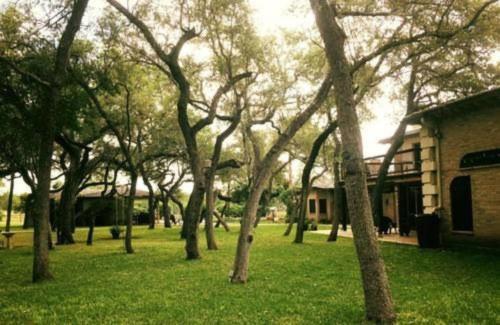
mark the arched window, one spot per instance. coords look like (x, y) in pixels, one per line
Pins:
(461, 203)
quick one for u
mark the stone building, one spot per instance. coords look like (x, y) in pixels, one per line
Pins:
(460, 143)
(449, 164)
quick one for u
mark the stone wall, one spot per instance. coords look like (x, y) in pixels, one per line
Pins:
(459, 134)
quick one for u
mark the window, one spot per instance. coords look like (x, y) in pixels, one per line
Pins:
(312, 206)
(322, 205)
(461, 203)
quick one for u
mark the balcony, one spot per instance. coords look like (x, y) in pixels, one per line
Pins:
(405, 162)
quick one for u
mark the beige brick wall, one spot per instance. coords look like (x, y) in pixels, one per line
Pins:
(461, 134)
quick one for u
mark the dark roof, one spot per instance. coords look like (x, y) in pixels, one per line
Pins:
(487, 98)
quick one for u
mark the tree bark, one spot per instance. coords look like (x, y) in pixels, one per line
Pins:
(378, 301)
(210, 196)
(338, 197)
(90, 234)
(306, 176)
(9, 202)
(65, 211)
(151, 198)
(165, 209)
(130, 213)
(220, 219)
(41, 211)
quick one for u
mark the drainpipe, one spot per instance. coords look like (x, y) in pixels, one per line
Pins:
(437, 134)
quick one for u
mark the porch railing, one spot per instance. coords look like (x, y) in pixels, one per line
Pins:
(404, 162)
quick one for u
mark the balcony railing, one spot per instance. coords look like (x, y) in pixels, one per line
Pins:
(404, 162)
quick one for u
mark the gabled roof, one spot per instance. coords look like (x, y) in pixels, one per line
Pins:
(487, 98)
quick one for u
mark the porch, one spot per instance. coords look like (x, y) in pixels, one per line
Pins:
(390, 238)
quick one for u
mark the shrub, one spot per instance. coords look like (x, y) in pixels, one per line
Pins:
(115, 231)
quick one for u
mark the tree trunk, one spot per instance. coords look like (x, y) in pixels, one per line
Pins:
(41, 204)
(46, 146)
(9, 202)
(65, 211)
(306, 176)
(28, 211)
(245, 239)
(378, 300)
(263, 172)
(165, 209)
(338, 197)
(151, 198)
(210, 195)
(190, 224)
(90, 235)
(130, 213)
(220, 219)
(264, 202)
(397, 141)
(291, 220)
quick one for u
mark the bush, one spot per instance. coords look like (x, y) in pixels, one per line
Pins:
(115, 231)
(234, 211)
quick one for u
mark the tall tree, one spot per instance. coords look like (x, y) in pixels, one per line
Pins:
(378, 300)
(175, 72)
(53, 85)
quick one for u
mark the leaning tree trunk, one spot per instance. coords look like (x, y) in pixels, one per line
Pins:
(306, 176)
(193, 210)
(130, 212)
(220, 219)
(338, 197)
(378, 300)
(264, 171)
(240, 270)
(397, 141)
(264, 203)
(190, 224)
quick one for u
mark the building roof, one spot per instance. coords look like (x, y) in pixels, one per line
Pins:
(324, 182)
(122, 190)
(487, 98)
(93, 192)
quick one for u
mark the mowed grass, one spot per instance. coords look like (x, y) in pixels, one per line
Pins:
(313, 283)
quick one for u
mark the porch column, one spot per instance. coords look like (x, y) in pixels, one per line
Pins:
(429, 169)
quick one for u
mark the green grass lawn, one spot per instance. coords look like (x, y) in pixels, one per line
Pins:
(313, 283)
